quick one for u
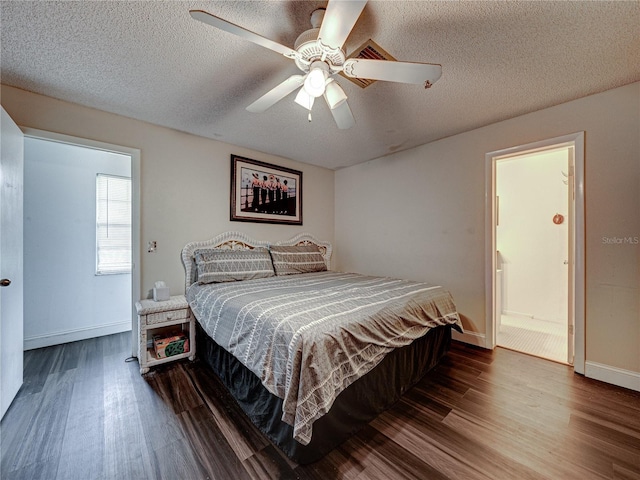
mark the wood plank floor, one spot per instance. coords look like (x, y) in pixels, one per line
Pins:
(84, 413)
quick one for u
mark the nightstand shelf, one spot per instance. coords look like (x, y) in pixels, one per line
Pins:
(160, 317)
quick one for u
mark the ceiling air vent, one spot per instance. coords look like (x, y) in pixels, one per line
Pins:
(372, 51)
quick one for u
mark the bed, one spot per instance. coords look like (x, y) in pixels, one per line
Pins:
(310, 355)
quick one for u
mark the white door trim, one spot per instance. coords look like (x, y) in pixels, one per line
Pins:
(576, 141)
(134, 153)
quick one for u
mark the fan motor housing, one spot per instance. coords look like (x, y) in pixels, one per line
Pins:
(310, 49)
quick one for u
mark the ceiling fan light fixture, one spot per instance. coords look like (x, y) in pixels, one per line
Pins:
(334, 95)
(314, 83)
(316, 80)
(304, 99)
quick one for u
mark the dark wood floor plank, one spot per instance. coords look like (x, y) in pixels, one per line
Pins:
(68, 357)
(45, 470)
(217, 457)
(457, 443)
(613, 433)
(513, 441)
(380, 456)
(85, 413)
(243, 437)
(45, 430)
(624, 472)
(81, 454)
(14, 430)
(126, 453)
(15, 425)
(336, 464)
(268, 463)
(176, 460)
(172, 387)
(625, 452)
(411, 438)
(38, 362)
(418, 399)
(158, 415)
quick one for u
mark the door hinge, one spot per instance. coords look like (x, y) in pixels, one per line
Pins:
(571, 329)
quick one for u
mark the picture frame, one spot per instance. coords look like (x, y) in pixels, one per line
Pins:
(265, 193)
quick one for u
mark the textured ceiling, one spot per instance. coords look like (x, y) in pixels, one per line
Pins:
(153, 62)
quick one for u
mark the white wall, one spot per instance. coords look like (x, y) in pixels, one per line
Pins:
(420, 214)
(185, 181)
(64, 299)
(532, 247)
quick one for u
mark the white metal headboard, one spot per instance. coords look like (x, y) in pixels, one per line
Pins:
(241, 241)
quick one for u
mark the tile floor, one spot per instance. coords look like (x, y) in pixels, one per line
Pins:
(535, 337)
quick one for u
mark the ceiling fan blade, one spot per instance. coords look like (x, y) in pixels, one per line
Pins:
(343, 116)
(214, 21)
(339, 19)
(276, 94)
(404, 72)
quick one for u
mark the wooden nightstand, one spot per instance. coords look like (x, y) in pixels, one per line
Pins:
(163, 317)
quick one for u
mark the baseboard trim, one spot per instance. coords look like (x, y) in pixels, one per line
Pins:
(472, 338)
(74, 335)
(613, 375)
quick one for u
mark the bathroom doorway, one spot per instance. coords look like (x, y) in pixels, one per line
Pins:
(536, 250)
(532, 241)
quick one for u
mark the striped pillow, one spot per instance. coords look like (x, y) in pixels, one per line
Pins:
(297, 259)
(217, 265)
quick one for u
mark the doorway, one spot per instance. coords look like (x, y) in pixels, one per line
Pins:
(72, 297)
(532, 245)
(535, 239)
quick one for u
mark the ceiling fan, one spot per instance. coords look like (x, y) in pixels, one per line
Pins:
(318, 54)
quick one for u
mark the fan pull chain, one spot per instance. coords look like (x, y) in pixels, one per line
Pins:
(309, 116)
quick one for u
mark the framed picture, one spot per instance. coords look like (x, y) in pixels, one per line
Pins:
(262, 192)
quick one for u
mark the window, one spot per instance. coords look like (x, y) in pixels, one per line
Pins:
(113, 224)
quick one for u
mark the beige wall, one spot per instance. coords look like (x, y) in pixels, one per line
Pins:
(421, 214)
(184, 181)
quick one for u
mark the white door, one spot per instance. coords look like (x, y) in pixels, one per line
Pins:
(11, 307)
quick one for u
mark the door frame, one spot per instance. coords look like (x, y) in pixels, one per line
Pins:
(575, 141)
(134, 154)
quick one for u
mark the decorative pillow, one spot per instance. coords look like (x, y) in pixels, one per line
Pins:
(224, 265)
(297, 259)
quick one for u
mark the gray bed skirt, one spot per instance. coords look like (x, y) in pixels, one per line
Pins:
(357, 405)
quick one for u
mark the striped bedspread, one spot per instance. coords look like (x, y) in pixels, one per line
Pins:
(309, 336)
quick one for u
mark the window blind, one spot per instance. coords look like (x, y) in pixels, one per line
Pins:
(113, 224)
